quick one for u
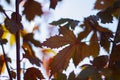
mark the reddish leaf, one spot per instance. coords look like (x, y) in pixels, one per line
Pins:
(71, 76)
(94, 45)
(31, 9)
(60, 76)
(33, 74)
(75, 50)
(58, 41)
(53, 3)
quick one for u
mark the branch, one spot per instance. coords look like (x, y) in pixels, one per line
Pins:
(6, 61)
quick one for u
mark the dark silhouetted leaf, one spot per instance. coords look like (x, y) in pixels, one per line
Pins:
(8, 1)
(100, 61)
(11, 26)
(30, 55)
(1, 31)
(33, 74)
(105, 15)
(13, 74)
(89, 73)
(29, 37)
(53, 3)
(31, 9)
(66, 22)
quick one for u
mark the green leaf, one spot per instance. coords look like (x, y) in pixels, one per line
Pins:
(31, 9)
(33, 73)
(69, 23)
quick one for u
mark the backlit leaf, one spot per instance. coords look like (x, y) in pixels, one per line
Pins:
(59, 41)
(53, 3)
(33, 74)
(12, 39)
(76, 50)
(31, 9)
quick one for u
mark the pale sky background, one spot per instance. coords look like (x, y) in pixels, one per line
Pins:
(73, 9)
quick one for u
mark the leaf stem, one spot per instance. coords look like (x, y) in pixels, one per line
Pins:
(10, 76)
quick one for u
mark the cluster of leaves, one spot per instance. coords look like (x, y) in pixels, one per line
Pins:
(74, 46)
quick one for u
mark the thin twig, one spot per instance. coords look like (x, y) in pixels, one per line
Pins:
(6, 61)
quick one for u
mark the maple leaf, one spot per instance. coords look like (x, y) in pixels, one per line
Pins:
(31, 9)
(33, 74)
(53, 3)
(66, 22)
(76, 49)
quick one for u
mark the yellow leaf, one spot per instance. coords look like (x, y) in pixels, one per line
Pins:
(12, 39)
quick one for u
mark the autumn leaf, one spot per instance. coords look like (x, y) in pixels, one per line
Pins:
(53, 3)
(66, 22)
(33, 73)
(30, 55)
(31, 9)
(76, 50)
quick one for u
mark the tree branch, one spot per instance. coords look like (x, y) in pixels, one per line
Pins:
(10, 76)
